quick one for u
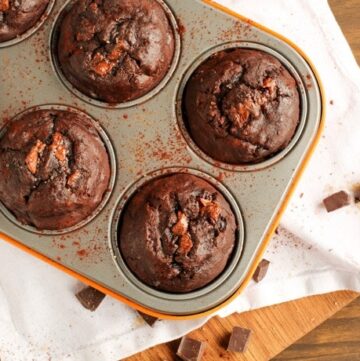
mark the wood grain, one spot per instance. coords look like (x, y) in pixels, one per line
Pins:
(337, 339)
(347, 13)
(277, 327)
(274, 328)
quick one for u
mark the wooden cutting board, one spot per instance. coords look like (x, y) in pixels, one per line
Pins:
(279, 326)
(274, 329)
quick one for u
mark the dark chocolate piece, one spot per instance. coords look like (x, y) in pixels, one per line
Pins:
(90, 298)
(357, 193)
(336, 201)
(239, 339)
(190, 349)
(261, 270)
(150, 320)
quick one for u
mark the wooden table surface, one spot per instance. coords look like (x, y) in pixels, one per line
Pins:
(277, 327)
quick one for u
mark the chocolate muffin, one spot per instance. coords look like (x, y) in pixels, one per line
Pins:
(241, 106)
(54, 169)
(177, 233)
(18, 16)
(115, 50)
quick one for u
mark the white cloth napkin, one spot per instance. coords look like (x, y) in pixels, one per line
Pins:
(40, 319)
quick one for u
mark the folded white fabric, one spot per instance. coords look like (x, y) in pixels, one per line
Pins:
(40, 319)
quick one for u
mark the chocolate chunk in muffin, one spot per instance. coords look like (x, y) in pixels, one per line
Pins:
(241, 106)
(54, 168)
(177, 233)
(115, 50)
(18, 16)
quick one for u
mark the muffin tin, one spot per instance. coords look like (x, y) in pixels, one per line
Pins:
(147, 138)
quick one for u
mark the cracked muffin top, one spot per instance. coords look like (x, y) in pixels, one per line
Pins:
(241, 106)
(18, 16)
(54, 168)
(177, 233)
(115, 50)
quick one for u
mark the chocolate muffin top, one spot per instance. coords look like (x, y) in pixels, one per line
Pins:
(18, 16)
(177, 233)
(115, 50)
(241, 106)
(54, 168)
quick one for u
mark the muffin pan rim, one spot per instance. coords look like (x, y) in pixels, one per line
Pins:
(29, 32)
(53, 40)
(117, 213)
(251, 166)
(113, 172)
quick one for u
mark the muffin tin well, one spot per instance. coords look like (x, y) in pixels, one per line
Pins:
(32, 30)
(82, 96)
(110, 187)
(243, 167)
(233, 261)
(147, 138)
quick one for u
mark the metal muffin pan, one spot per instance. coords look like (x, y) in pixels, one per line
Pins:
(149, 139)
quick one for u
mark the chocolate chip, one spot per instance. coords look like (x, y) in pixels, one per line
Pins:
(32, 157)
(336, 201)
(357, 193)
(239, 339)
(261, 270)
(180, 228)
(190, 349)
(4, 5)
(90, 298)
(150, 320)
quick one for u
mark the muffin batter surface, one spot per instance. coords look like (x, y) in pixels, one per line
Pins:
(18, 16)
(177, 233)
(115, 50)
(54, 169)
(241, 106)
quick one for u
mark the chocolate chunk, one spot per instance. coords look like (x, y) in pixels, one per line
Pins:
(32, 157)
(261, 270)
(239, 339)
(190, 349)
(4, 5)
(210, 209)
(356, 189)
(90, 298)
(336, 201)
(150, 320)
(185, 244)
(180, 228)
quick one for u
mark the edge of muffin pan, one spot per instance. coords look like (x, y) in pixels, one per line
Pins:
(250, 166)
(43, 18)
(117, 213)
(113, 171)
(70, 87)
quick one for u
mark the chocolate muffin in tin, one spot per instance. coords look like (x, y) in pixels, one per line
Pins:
(115, 50)
(241, 106)
(18, 16)
(177, 233)
(54, 168)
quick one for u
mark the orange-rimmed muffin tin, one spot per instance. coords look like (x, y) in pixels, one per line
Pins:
(148, 140)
